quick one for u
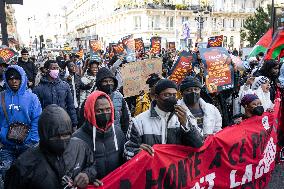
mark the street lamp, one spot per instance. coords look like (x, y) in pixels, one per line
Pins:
(201, 13)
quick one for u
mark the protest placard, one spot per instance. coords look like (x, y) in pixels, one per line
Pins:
(7, 55)
(129, 45)
(181, 67)
(139, 45)
(96, 47)
(218, 71)
(215, 41)
(156, 45)
(135, 74)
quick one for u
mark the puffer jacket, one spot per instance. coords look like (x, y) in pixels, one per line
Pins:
(22, 106)
(212, 120)
(152, 127)
(56, 92)
(108, 143)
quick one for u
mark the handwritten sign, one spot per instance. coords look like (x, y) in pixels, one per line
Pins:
(182, 66)
(135, 74)
(156, 45)
(219, 72)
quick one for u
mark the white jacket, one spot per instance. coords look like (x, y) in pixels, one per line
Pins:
(212, 120)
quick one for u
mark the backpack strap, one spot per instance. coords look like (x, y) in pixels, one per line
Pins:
(4, 106)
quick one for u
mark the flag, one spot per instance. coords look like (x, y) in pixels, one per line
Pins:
(156, 45)
(276, 46)
(262, 44)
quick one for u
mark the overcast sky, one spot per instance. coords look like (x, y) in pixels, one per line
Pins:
(32, 8)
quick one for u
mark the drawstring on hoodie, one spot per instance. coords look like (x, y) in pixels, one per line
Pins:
(114, 137)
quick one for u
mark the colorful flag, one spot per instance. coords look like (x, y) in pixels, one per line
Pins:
(276, 46)
(139, 45)
(8, 55)
(262, 44)
(129, 45)
(185, 30)
(215, 41)
(156, 45)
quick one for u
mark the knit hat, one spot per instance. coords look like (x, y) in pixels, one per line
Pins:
(164, 84)
(153, 79)
(258, 81)
(248, 99)
(13, 74)
(189, 82)
(24, 51)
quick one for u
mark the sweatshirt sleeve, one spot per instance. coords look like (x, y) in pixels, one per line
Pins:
(36, 111)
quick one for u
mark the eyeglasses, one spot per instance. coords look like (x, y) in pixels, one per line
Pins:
(167, 95)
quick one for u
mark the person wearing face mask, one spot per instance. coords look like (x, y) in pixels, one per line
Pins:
(252, 106)
(101, 134)
(57, 157)
(107, 83)
(52, 90)
(206, 117)
(164, 123)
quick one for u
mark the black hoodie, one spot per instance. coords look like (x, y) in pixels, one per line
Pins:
(39, 168)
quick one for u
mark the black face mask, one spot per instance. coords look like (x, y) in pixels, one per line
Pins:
(191, 98)
(108, 89)
(169, 104)
(258, 110)
(57, 146)
(102, 120)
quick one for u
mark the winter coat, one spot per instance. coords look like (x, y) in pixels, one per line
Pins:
(122, 113)
(157, 127)
(29, 68)
(108, 143)
(39, 168)
(56, 92)
(22, 106)
(212, 120)
(87, 79)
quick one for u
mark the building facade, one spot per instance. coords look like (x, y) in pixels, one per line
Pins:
(111, 20)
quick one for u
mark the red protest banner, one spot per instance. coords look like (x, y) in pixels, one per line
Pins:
(156, 45)
(7, 55)
(182, 66)
(219, 72)
(240, 156)
(215, 41)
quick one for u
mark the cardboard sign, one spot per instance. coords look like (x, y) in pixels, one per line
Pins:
(218, 70)
(244, 159)
(129, 45)
(135, 74)
(181, 67)
(156, 45)
(215, 41)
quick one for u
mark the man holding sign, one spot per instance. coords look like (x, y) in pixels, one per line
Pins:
(164, 123)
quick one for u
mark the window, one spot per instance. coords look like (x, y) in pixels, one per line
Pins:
(137, 22)
(184, 19)
(170, 22)
(214, 22)
(154, 22)
(232, 23)
(231, 41)
(224, 23)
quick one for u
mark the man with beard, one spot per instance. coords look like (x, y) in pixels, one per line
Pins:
(57, 161)
(99, 131)
(164, 123)
(206, 117)
(106, 82)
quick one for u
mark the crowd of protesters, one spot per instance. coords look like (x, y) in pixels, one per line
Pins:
(64, 120)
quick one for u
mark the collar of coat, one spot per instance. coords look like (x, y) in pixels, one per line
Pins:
(153, 112)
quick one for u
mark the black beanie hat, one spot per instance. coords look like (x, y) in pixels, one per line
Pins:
(24, 51)
(153, 79)
(164, 84)
(12, 74)
(189, 82)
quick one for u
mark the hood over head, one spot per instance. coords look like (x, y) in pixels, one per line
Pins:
(102, 74)
(53, 121)
(89, 109)
(23, 86)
